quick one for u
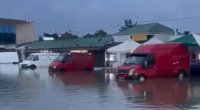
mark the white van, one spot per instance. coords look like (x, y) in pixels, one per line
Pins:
(9, 58)
(35, 60)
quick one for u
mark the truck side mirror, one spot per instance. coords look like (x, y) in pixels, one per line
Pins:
(145, 64)
(151, 60)
(63, 61)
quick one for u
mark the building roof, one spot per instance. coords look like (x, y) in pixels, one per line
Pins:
(151, 28)
(187, 39)
(124, 47)
(13, 21)
(76, 43)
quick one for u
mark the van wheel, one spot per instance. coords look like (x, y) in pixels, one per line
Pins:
(33, 67)
(87, 69)
(141, 78)
(181, 75)
(62, 70)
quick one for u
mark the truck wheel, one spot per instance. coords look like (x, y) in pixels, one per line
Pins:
(142, 78)
(33, 67)
(181, 75)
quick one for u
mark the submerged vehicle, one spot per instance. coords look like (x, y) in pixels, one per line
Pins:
(73, 62)
(165, 60)
(35, 60)
(9, 57)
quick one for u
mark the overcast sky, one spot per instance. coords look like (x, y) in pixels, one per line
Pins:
(83, 16)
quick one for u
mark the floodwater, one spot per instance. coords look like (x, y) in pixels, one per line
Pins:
(39, 90)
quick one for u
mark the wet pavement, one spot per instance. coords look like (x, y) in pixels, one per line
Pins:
(39, 90)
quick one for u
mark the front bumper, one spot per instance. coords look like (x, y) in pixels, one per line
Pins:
(24, 66)
(126, 76)
(53, 69)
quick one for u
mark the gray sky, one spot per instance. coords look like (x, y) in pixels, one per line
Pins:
(83, 16)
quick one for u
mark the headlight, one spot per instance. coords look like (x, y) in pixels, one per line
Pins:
(131, 72)
(54, 66)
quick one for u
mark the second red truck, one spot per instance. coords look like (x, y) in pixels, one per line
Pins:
(165, 60)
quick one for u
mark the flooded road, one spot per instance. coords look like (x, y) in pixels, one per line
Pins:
(39, 90)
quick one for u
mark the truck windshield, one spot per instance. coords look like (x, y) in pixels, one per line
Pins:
(134, 59)
(30, 57)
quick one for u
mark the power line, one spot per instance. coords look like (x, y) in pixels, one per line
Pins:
(174, 19)
(140, 21)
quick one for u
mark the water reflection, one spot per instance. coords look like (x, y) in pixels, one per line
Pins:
(79, 77)
(156, 93)
(15, 89)
(9, 69)
(83, 90)
(39, 90)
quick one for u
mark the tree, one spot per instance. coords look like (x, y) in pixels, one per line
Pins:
(127, 24)
(88, 35)
(40, 39)
(66, 35)
(100, 33)
(186, 32)
(47, 35)
(55, 36)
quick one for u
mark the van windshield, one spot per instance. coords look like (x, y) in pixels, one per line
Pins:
(61, 58)
(134, 59)
(30, 57)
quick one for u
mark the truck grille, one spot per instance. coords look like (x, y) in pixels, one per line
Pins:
(123, 71)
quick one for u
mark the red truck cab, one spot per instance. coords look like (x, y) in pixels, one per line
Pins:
(165, 60)
(73, 62)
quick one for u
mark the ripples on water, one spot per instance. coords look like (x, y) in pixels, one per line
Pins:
(39, 90)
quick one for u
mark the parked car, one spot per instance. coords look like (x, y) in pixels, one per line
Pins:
(195, 68)
(73, 62)
(35, 60)
(166, 60)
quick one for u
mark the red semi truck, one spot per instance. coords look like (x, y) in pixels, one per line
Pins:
(165, 60)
